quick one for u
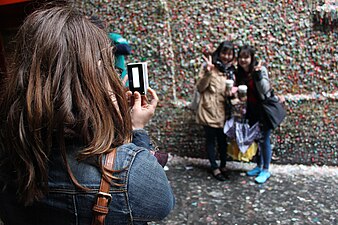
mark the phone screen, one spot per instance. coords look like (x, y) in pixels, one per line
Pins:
(136, 77)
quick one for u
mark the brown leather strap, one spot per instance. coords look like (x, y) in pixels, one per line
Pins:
(100, 209)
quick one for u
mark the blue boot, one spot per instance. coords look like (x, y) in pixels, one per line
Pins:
(262, 177)
(254, 172)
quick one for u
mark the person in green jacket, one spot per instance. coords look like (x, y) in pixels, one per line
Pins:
(122, 49)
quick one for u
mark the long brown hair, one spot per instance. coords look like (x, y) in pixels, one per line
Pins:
(60, 87)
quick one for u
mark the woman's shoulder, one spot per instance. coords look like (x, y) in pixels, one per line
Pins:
(126, 153)
(147, 182)
(130, 148)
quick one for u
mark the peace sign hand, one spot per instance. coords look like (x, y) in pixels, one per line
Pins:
(210, 66)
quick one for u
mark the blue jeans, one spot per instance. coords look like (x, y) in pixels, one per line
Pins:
(265, 153)
(215, 134)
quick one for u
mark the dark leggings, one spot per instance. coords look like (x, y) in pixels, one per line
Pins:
(215, 134)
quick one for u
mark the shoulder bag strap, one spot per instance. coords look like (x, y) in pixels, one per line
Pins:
(100, 209)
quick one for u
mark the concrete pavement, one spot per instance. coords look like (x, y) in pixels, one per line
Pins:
(295, 194)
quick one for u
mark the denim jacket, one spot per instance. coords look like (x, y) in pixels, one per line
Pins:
(145, 195)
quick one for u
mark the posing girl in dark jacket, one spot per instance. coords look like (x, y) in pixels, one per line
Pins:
(258, 84)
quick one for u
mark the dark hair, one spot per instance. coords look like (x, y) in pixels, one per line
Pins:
(57, 90)
(223, 47)
(98, 22)
(247, 51)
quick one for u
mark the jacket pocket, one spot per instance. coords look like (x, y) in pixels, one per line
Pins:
(209, 106)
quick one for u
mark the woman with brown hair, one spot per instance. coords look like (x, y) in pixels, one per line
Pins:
(63, 109)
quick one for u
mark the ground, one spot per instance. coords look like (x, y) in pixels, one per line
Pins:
(295, 194)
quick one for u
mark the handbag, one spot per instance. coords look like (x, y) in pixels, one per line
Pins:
(273, 110)
(100, 208)
(195, 100)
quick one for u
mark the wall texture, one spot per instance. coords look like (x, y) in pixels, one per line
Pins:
(302, 60)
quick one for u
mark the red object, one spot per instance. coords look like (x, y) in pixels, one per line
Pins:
(13, 12)
(8, 2)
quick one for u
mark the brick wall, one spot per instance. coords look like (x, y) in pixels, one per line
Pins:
(301, 59)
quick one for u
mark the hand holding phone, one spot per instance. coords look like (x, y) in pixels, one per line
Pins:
(142, 110)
